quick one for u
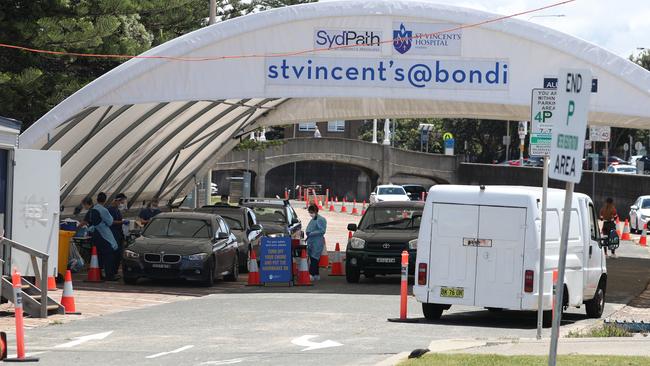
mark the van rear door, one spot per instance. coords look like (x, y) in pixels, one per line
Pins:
(453, 256)
(499, 260)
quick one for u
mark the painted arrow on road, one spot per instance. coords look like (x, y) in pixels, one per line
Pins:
(80, 340)
(304, 341)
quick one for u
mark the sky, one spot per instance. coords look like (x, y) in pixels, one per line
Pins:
(619, 26)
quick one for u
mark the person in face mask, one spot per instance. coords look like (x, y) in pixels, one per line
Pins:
(315, 240)
(115, 209)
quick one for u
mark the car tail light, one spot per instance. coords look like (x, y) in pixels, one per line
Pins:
(422, 274)
(529, 279)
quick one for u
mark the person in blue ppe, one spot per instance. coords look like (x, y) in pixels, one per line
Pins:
(315, 240)
(115, 209)
(99, 221)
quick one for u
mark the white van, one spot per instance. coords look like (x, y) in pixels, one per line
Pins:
(480, 246)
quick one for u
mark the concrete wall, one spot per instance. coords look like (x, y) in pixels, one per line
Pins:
(624, 189)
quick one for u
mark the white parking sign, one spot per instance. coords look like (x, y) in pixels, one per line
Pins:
(569, 124)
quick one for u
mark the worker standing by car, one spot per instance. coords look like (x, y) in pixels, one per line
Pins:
(608, 215)
(315, 240)
(115, 209)
(99, 221)
(148, 212)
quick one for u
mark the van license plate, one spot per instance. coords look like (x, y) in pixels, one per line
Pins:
(452, 292)
(385, 260)
(160, 265)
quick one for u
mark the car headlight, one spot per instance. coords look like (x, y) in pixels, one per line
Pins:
(129, 254)
(356, 243)
(413, 244)
(276, 235)
(197, 257)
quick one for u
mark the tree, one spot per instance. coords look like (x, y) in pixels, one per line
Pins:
(31, 84)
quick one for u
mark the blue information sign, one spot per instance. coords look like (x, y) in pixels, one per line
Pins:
(275, 260)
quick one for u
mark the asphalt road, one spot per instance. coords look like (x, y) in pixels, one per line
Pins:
(272, 326)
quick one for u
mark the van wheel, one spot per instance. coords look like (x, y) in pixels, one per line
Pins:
(547, 319)
(596, 306)
(495, 310)
(352, 275)
(432, 311)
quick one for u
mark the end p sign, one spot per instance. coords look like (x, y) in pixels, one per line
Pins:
(569, 124)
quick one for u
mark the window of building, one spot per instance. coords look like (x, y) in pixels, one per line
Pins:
(307, 127)
(336, 126)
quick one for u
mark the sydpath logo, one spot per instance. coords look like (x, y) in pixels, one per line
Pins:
(367, 40)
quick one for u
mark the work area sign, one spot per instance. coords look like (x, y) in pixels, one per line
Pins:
(569, 125)
(542, 107)
(275, 260)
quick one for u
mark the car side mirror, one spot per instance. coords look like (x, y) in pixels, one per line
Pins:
(373, 193)
(222, 236)
(352, 227)
(295, 221)
(256, 227)
(634, 207)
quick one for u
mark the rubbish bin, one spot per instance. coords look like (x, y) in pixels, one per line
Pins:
(64, 250)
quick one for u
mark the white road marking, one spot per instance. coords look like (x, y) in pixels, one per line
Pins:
(304, 341)
(29, 354)
(177, 350)
(79, 340)
(223, 362)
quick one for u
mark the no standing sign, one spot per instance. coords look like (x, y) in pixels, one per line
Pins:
(569, 124)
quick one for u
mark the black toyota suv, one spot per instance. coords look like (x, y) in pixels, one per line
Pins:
(385, 230)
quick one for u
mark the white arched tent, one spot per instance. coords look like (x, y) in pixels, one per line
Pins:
(152, 125)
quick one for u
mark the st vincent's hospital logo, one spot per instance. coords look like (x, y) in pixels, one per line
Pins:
(402, 39)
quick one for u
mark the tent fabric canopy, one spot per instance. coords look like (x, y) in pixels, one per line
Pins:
(151, 127)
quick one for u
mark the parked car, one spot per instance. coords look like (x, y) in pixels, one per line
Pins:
(621, 169)
(189, 245)
(277, 217)
(388, 192)
(602, 164)
(478, 246)
(533, 161)
(243, 223)
(414, 191)
(385, 230)
(640, 213)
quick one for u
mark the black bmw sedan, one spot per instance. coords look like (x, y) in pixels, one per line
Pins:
(192, 246)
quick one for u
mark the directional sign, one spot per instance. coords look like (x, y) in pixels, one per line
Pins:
(542, 107)
(81, 340)
(447, 136)
(275, 260)
(569, 124)
(600, 133)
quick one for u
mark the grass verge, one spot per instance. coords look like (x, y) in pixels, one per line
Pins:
(606, 330)
(497, 360)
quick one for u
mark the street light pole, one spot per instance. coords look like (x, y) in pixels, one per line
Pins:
(213, 12)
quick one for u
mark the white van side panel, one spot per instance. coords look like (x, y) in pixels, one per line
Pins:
(499, 266)
(451, 263)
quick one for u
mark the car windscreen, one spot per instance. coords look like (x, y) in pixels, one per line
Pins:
(270, 214)
(645, 203)
(177, 228)
(391, 190)
(414, 189)
(391, 218)
(233, 222)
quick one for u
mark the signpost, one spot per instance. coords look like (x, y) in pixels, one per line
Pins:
(522, 129)
(567, 144)
(275, 260)
(448, 139)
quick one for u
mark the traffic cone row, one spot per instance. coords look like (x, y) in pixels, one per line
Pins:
(67, 299)
(337, 262)
(253, 271)
(644, 240)
(303, 270)
(94, 273)
(626, 231)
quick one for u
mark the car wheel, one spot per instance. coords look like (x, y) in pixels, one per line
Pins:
(352, 275)
(233, 275)
(432, 311)
(208, 280)
(596, 306)
(130, 280)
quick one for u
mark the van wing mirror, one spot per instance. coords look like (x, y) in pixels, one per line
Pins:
(352, 227)
(634, 207)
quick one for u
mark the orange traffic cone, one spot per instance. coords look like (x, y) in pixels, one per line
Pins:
(67, 300)
(324, 261)
(349, 235)
(337, 262)
(354, 208)
(644, 240)
(626, 231)
(363, 208)
(619, 228)
(51, 283)
(343, 208)
(332, 207)
(303, 270)
(94, 273)
(253, 271)
(320, 206)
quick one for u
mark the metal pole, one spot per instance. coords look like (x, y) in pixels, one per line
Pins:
(559, 298)
(374, 131)
(508, 140)
(213, 12)
(542, 253)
